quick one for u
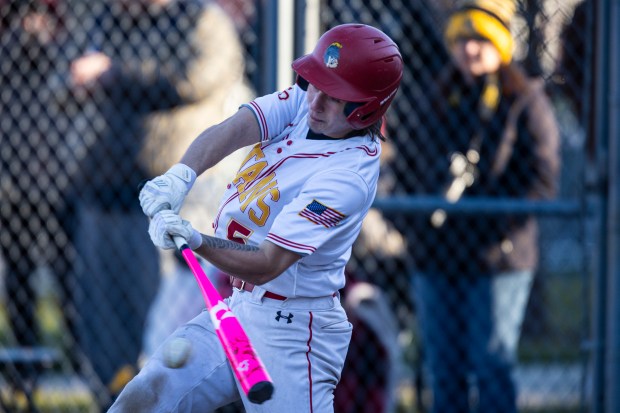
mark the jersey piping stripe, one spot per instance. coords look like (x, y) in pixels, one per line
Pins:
(279, 163)
(309, 362)
(288, 243)
(301, 156)
(366, 149)
(262, 118)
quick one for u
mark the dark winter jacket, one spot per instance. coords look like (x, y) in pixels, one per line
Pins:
(518, 151)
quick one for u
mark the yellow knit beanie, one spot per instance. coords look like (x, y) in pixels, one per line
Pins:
(486, 18)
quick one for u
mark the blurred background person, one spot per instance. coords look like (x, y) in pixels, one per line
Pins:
(149, 70)
(35, 167)
(492, 134)
(572, 64)
(377, 272)
(220, 86)
(226, 40)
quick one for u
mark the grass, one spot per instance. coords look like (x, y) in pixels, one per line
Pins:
(58, 391)
(49, 401)
(556, 321)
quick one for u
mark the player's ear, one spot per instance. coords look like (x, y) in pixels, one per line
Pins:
(302, 83)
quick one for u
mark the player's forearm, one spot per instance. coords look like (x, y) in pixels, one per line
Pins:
(254, 264)
(219, 141)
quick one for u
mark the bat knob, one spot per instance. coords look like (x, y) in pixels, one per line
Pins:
(261, 392)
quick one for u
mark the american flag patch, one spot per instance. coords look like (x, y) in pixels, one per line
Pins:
(321, 215)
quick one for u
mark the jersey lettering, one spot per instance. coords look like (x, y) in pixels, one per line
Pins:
(284, 94)
(248, 175)
(256, 153)
(258, 192)
(274, 193)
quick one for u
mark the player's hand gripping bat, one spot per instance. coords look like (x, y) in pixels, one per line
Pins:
(246, 364)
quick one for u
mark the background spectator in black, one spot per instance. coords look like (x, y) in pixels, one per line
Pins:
(35, 167)
(375, 357)
(574, 58)
(145, 59)
(219, 87)
(489, 131)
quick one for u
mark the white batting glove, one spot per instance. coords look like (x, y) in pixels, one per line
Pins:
(167, 191)
(166, 224)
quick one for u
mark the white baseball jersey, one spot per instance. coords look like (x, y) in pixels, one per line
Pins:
(304, 192)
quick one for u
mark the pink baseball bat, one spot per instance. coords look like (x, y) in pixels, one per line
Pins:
(246, 364)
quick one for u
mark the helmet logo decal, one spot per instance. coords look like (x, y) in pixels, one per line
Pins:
(332, 54)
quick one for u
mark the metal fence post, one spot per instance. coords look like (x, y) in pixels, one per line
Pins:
(612, 354)
(600, 286)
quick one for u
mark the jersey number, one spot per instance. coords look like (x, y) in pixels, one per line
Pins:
(237, 232)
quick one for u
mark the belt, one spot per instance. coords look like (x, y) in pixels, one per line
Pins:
(244, 286)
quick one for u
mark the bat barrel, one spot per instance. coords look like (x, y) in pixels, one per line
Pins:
(245, 362)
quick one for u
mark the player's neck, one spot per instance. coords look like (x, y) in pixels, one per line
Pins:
(319, 136)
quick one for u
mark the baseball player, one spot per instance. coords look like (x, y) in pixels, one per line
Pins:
(284, 229)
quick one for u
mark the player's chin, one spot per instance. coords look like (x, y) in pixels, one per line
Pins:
(316, 126)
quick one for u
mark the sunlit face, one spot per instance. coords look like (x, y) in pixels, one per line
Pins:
(475, 57)
(326, 114)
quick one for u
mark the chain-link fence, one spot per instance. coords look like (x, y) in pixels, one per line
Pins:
(96, 96)
(420, 227)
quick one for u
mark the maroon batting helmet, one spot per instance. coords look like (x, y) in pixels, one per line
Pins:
(355, 63)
